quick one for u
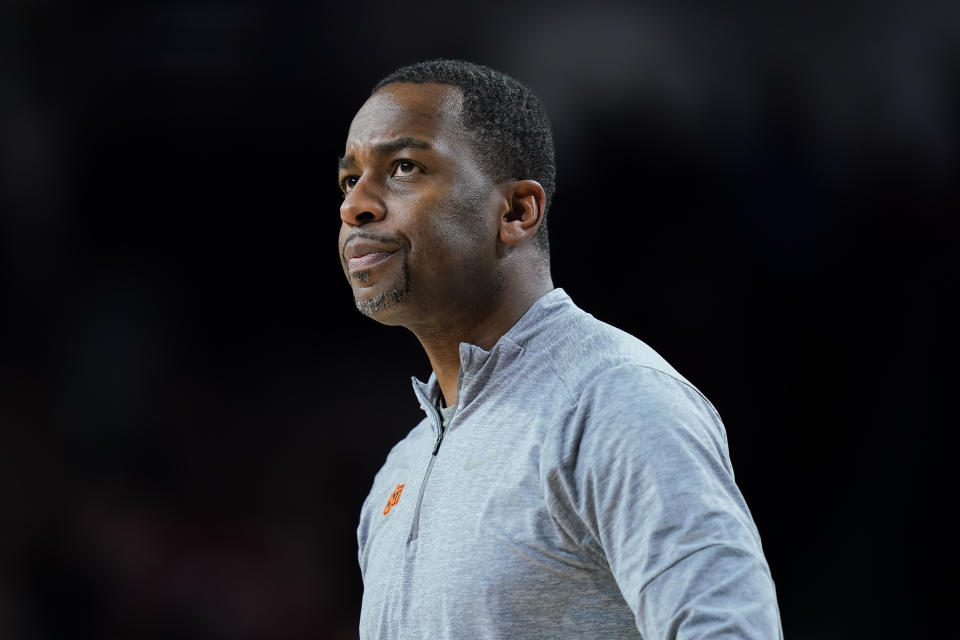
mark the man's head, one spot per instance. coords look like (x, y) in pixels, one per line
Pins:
(509, 127)
(447, 176)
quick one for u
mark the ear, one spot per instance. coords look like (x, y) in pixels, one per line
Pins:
(524, 211)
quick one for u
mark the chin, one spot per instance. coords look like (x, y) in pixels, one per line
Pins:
(385, 307)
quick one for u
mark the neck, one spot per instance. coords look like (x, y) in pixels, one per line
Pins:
(480, 325)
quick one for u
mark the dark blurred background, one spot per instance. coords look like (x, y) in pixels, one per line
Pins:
(191, 411)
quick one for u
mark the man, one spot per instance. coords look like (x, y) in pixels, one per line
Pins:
(566, 482)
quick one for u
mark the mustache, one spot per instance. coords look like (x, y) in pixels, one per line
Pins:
(384, 238)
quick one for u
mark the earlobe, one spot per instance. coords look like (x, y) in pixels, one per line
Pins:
(525, 202)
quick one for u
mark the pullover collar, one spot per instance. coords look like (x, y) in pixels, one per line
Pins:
(482, 370)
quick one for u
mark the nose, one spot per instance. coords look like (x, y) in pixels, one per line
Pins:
(362, 204)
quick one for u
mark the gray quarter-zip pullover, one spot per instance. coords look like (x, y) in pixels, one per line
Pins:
(581, 489)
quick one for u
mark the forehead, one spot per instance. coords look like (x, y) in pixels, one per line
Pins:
(429, 111)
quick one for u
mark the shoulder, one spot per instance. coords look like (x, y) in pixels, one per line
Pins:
(621, 394)
(640, 402)
(589, 354)
(605, 374)
(631, 404)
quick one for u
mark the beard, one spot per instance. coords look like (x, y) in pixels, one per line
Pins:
(385, 299)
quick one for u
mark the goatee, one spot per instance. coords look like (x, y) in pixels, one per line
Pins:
(386, 299)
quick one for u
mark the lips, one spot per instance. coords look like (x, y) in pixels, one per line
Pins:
(367, 260)
(363, 254)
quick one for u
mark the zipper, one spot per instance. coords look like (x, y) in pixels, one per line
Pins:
(415, 527)
(439, 440)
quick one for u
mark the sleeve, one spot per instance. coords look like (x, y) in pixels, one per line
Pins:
(363, 533)
(644, 482)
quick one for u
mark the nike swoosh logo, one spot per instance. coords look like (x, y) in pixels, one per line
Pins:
(470, 465)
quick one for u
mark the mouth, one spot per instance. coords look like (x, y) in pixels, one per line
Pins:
(366, 261)
(364, 252)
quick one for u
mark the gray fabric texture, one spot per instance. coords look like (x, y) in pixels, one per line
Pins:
(582, 489)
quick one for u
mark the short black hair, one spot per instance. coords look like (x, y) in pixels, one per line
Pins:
(509, 124)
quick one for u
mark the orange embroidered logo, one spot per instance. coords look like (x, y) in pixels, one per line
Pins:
(394, 498)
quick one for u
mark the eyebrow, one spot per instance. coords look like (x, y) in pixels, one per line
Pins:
(385, 149)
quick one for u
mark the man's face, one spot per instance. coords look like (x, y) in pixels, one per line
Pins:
(418, 231)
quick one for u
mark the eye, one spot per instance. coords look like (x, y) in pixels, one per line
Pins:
(404, 168)
(348, 183)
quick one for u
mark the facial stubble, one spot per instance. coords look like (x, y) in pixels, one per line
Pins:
(385, 299)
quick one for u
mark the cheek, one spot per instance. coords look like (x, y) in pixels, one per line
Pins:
(465, 224)
(344, 233)
(451, 241)
(451, 233)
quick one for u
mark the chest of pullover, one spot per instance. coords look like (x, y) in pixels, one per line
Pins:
(484, 537)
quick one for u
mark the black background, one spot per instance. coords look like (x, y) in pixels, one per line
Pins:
(191, 411)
